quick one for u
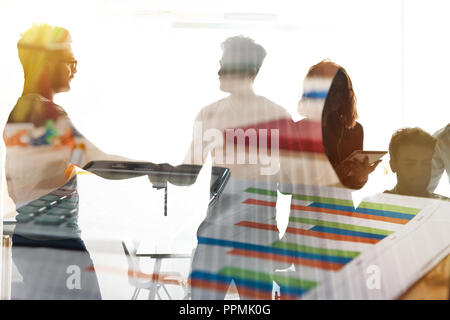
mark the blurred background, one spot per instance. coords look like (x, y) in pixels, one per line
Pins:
(146, 68)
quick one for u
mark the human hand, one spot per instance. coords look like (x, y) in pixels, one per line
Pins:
(361, 169)
(181, 175)
(161, 176)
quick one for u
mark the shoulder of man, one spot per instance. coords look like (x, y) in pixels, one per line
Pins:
(35, 108)
(55, 107)
(443, 133)
(443, 141)
(274, 107)
(211, 108)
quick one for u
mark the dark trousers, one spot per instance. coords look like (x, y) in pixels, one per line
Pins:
(53, 269)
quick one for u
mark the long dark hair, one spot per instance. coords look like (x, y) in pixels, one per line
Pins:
(341, 97)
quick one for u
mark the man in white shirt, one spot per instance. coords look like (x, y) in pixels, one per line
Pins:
(228, 131)
(38, 166)
(411, 151)
(441, 157)
(242, 109)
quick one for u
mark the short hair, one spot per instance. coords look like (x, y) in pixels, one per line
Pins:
(246, 54)
(341, 89)
(39, 43)
(410, 136)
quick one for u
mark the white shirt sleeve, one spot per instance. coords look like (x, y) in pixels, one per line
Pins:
(441, 158)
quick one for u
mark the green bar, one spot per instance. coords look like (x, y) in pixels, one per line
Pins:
(365, 205)
(268, 278)
(263, 192)
(338, 225)
(322, 251)
(388, 207)
(341, 202)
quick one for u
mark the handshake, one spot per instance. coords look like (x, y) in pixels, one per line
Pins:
(160, 174)
(181, 175)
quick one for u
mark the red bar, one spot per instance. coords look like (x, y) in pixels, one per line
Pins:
(243, 291)
(317, 234)
(257, 225)
(260, 202)
(326, 265)
(331, 236)
(330, 211)
(349, 214)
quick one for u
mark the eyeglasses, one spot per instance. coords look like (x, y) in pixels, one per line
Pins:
(235, 71)
(72, 63)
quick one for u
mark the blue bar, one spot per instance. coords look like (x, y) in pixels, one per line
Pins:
(272, 250)
(375, 212)
(256, 285)
(348, 232)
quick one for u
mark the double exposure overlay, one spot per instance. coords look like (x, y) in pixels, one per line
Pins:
(202, 154)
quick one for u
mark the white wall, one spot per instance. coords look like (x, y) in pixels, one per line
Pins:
(146, 68)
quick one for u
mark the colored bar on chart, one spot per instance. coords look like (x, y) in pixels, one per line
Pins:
(322, 251)
(260, 203)
(375, 212)
(342, 202)
(348, 232)
(331, 236)
(266, 277)
(272, 250)
(246, 287)
(343, 226)
(325, 265)
(257, 225)
(311, 233)
(263, 192)
(386, 216)
(348, 214)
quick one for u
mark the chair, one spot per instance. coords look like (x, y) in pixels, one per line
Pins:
(141, 280)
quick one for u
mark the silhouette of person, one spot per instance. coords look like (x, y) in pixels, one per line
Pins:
(319, 145)
(342, 134)
(36, 161)
(228, 130)
(441, 157)
(411, 151)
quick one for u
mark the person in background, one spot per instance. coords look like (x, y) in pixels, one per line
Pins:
(326, 136)
(411, 151)
(37, 165)
(441, 157)
(341, 133)
(241, 110)
(49, 66)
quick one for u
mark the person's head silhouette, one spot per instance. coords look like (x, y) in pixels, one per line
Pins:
(47, 59)
(411, 151)
(241, 60)
(336, 90)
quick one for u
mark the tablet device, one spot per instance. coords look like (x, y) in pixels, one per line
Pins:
(159, 174)
(360, 155)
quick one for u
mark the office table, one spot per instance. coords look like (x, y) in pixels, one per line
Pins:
(434, 285)
(426, 288)
(167, 254)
